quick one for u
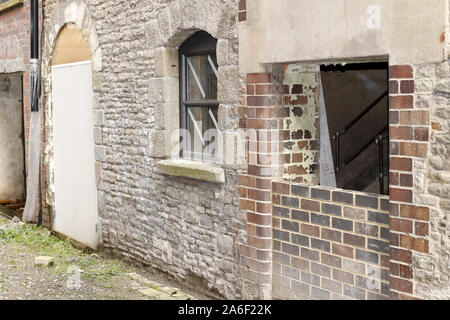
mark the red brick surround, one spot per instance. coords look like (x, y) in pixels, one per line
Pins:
(242, 15)
(409, 224)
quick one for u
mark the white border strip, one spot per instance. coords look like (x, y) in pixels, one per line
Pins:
(71, 64)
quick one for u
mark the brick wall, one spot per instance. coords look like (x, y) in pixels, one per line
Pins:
(242, 15)
(329, 243)
(409, 135)
(260, 113)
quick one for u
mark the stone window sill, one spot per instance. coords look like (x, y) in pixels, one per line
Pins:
(192, 169)
(9, 4)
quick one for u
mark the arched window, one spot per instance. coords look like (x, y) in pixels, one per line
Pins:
(198, 97)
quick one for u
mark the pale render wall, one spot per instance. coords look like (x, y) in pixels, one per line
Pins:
(11, 144)
(409, 31)
(189, 229)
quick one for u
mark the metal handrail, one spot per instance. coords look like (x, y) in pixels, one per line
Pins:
(361, 114)
(339, 133)
(377, 140)
(379, 137)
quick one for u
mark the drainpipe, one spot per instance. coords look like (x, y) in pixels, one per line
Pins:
(34, 59)
(31, 204)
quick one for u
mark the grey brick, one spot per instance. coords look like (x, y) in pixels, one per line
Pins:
(290, 202)
(330, 234)
(320, 194)
(320, 219)
(384, 204)
(366, 256)
(343, 276)
(385, 233)
(375, 296)
(320, 244)
(379, 217)
(343, 224)
(306, 277)
(281, 258)
(290, 272)
(281, 281)
(284, 293)
(320, 294)
(365, 228)
(300, 191)
(320, 269)
(281, 235)
(332, 209)
(367, 283)
(290, 249)
(281, 212)
(300, 240)
(343, 197)
(331, 260)
(339, 297)
(310, 279)
(377, 245)
(276, 245)
(353, 266)
(331, 285)
(310, 254)
(385, 289)
(315, 280)
(300, 287)
(366, 201)
(277, 268)
(353, 292)
(300, 215)
(299, 263)
(290, 225)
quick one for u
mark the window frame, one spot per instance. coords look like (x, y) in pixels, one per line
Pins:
(199, 44)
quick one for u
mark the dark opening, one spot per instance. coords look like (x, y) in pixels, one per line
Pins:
(356, 100)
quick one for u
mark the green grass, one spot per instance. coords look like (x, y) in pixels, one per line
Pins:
(40, 242)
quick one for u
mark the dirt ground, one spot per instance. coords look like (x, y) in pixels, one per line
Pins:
(75, 274)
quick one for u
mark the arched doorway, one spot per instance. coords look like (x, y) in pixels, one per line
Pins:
(76, 213)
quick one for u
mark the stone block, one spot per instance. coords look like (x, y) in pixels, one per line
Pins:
(228, 84)
(192, 169)
(166, 62)
(44, 261)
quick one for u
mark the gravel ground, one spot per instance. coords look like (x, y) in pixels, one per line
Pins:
(100, 278)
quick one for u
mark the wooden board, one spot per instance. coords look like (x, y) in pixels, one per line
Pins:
(70, 47)
(9, 213)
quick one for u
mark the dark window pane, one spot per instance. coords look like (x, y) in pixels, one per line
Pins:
(212, 76)
(202, 127)
(197, 80)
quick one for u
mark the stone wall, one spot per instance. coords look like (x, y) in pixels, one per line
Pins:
(188, 228)
(432, 183)
(432, 270)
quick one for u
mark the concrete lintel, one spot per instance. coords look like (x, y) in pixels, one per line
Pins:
(192, 169)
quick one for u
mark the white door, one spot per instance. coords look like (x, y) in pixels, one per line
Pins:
(74, 155)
